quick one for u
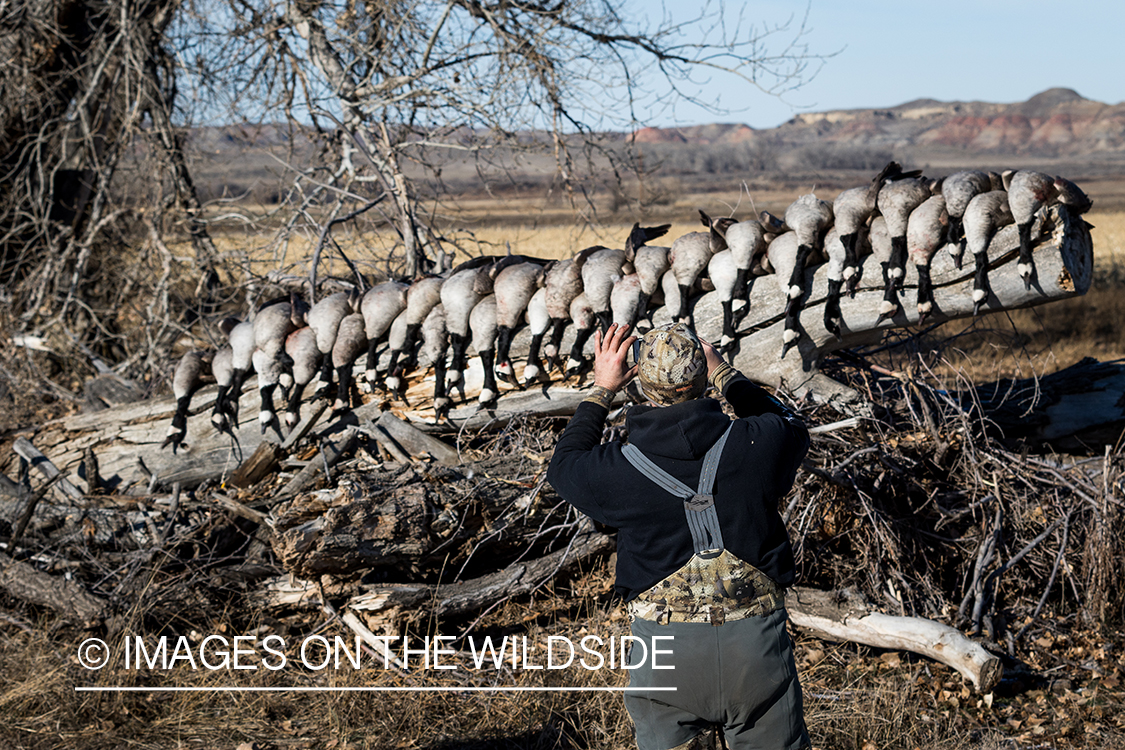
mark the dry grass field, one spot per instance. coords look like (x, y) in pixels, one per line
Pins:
(855, 698)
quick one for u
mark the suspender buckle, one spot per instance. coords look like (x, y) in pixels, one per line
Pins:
(700, 502)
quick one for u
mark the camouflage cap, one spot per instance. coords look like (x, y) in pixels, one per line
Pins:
(672, 367)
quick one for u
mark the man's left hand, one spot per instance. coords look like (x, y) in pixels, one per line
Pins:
(611, 368)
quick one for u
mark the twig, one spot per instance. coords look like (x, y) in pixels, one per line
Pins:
(1051, 578)
(173, 508)
(29, 509)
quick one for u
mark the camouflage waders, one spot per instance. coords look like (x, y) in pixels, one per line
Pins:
(732, 658)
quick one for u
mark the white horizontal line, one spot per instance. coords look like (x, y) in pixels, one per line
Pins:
(297, 689)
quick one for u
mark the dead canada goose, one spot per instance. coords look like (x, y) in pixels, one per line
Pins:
(268, 369)
(747, 243)
(324, 318)
(304, 355)
(837, 262)
(1028, 192)
(380, 306)
(670, 290)
(435, 344)
(689, 256)
(724, 275)
(272, 326)
(242, 345)
(423, 295)
(582, 315)
(926, 232)
(515, 283)
(599, 271)
(467, 285)
(538, 322)
(482, 324)
(351, 341)
(782, 253)
(396, 341)
(810, 218)
(185, 382)
(882, 248)
(625, 300)
(562, 284)
(958, 189)
(222, 368)
(987, 212)
(223, 371)
(650, 264)
(896, 200)
(852, 209)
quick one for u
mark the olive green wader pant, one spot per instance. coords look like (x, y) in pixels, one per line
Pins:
(739, 676)
(731, 655)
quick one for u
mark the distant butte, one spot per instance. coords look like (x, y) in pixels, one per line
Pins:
(1058, 122)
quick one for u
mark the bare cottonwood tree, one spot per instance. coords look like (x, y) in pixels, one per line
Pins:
(413, 83)
(82, 86)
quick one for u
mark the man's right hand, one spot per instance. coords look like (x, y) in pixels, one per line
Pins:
(611, 364)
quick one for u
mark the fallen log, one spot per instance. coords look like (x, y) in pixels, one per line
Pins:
(125, 437)
(846, 617)
(476, 594)
(69, 598)
(1072, 410)
(448, 599)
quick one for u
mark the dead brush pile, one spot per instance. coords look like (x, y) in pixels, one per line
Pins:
(930, 511)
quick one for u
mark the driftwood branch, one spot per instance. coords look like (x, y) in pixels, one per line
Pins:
(846, 617)
(44, 466)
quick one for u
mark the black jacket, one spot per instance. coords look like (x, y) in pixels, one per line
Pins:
(759, 463)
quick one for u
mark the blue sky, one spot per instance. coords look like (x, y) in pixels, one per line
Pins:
(893, 52)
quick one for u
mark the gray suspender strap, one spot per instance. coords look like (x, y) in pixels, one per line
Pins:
(699, 505)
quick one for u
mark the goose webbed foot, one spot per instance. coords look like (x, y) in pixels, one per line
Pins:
(174, 440)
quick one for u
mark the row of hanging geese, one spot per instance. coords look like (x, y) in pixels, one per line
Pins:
(483, 301)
